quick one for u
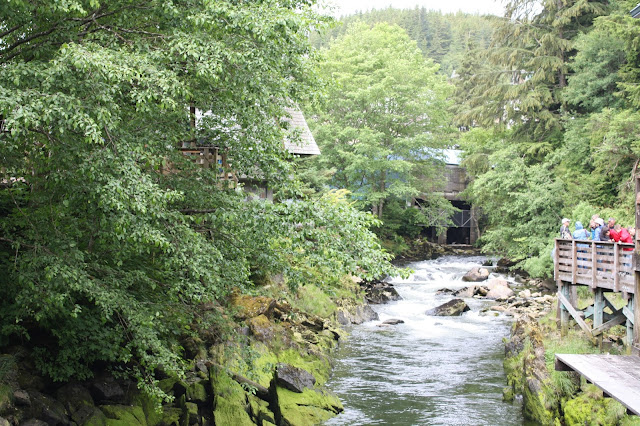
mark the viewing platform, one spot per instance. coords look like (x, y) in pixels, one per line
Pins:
(604, 267)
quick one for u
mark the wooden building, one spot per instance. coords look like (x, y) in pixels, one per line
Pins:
(464, 229)
(304, 145)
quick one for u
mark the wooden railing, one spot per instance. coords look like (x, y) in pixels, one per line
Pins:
(598, 264)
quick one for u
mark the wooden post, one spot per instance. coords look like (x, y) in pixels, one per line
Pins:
(564, 312)
(598, 311)
(574, 261)
(616, 268)
(594, 276)
(630, 327)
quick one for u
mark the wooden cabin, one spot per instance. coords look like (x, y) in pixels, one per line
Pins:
(213, 156)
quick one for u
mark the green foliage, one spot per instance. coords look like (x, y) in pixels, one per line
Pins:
(110, 239)
(382, 116)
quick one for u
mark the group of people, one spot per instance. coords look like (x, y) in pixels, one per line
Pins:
(598, 231)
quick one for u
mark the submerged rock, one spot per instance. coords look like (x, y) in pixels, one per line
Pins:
(393, 321)
(452, 308)
(476, 274)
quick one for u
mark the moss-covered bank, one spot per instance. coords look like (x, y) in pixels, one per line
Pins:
(550, 397)
(268, 367)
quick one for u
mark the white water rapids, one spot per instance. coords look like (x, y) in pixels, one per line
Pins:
(429, 370)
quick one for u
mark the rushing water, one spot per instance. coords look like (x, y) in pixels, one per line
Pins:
(429, 370)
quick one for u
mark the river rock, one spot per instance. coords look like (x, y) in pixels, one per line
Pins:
(379, 292)
(466, 292)
(106, 390)
(526, 294)
(293, 378)
(452, 308)
(393, 321)
(499, 289)
(444, 291)
(476, 274)
(357, 315)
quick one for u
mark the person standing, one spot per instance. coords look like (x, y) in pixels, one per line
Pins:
(564, 229)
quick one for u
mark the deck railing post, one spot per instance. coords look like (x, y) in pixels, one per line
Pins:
(574, 261)
(616, 267)
(598, 311)
(594, 276)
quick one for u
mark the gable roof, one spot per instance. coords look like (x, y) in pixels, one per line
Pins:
(307, 144)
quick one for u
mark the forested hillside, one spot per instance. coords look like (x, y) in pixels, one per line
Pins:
(544, 106)
(444, 38)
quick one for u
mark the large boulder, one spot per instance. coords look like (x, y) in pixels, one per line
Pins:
(452, 308)
(250, 306)
(355, 315)
(476, 274)
(379, 292)
(499, 289)
(293, 378)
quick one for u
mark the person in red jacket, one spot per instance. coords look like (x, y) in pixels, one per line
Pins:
(627, 237)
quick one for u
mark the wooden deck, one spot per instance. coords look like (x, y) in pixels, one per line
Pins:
(575, 260)
(618, 376)
(604, 267)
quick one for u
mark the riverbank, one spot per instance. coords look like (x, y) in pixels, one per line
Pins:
(550, 397)
(253, 360)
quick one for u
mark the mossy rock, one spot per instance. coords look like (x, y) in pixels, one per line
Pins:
(152, 409)
(318, 366)
(124, 415)
(590, 407)
(307, 408)
(230, 412)
(260, 410)
(249, 306)
(197, 392)
(171, 416)
(6, 398)
(90, 416)
(263, 329)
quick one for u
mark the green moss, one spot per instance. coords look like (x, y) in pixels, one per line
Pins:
(124, 415)
(590, 407)
(96, 419)
(260, 410)
(171, 416)
(197, 392)
(534, 407)
(6, 398)
(229, 412)
(320, 368)
(308, 407)
(151, 408)
(313, 300)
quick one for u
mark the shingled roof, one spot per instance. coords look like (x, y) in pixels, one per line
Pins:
(307, 144)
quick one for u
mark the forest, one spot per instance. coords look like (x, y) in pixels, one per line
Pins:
(113, 243)
(543, 102)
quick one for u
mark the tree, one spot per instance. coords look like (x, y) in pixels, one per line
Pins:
(530, 53)
(384, 112)
(110, 239)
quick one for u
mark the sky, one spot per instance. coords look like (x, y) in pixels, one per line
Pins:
(348, 7)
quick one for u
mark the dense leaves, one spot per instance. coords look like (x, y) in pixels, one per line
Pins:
(110, 238)
(385, 112)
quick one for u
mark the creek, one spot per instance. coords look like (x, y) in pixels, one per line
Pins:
(429, 370)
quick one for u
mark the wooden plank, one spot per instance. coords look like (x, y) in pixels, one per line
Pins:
(575, 315)
(616, 262)
(617, 375)
(574, 267)
(627, 311)
(616, 320)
